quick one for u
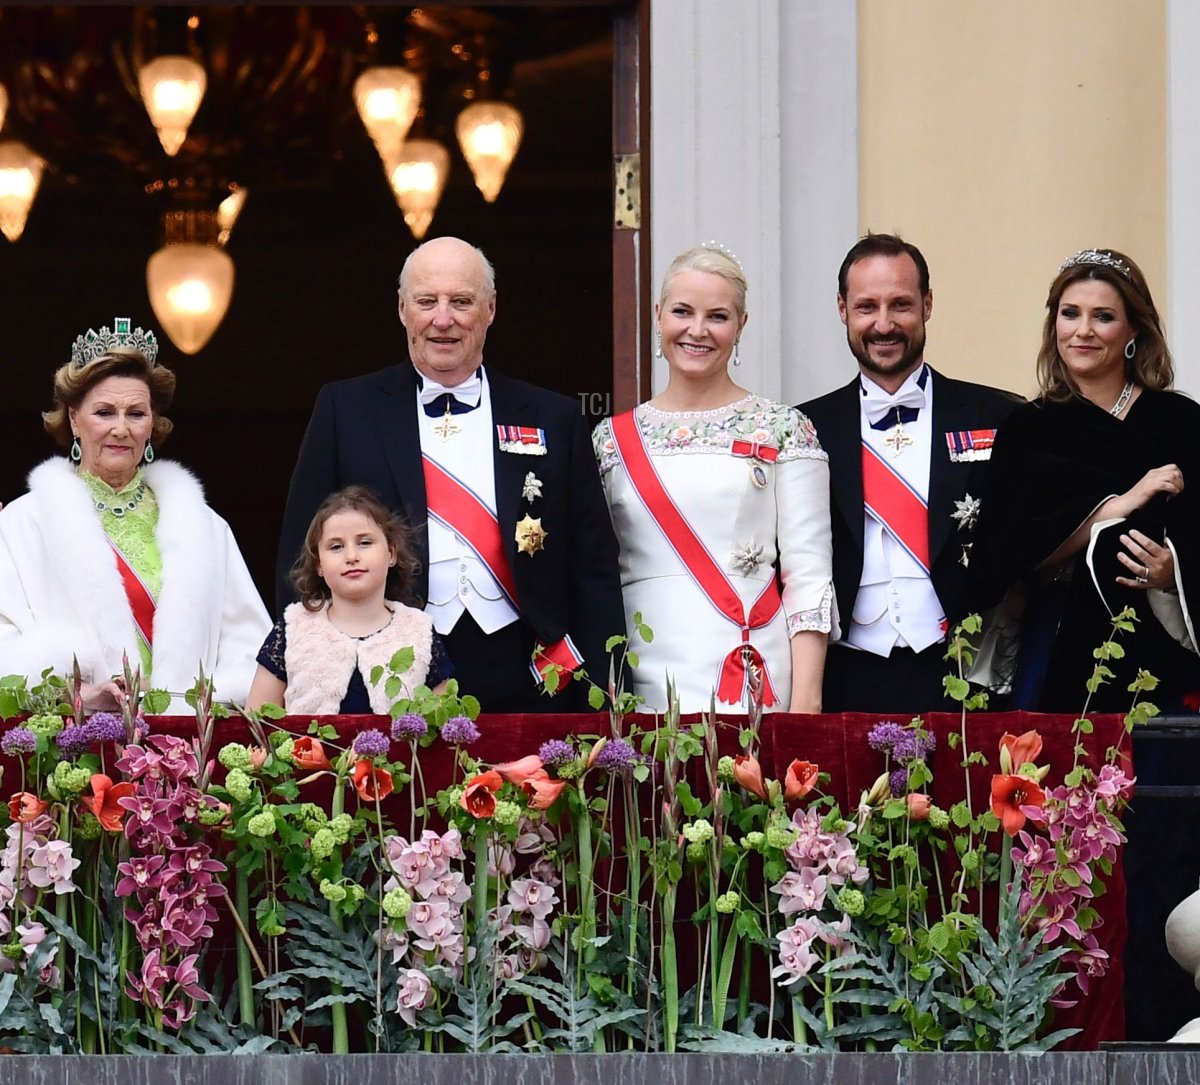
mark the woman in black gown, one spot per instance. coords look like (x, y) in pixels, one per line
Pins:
(1091, 498)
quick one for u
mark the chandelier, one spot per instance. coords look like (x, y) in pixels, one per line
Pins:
(200, 105)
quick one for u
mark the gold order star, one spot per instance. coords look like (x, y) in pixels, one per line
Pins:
(531, 536)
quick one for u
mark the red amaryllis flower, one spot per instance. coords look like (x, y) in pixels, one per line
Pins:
(479, 796)
(1018, 750)
(1009, 794)
(309, 755)
(25, 806)
(370, 782)
(919, 805)
(542, 790)
(800, 779)
(517, 772)
(748, 772)
(103, 801)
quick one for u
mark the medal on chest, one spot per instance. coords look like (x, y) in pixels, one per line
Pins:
(898, 440)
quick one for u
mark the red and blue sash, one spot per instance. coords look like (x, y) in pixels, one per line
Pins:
(708, 576)
(899, 509)
(456, 506)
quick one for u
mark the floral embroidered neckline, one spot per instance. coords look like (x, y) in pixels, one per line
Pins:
(651, 409)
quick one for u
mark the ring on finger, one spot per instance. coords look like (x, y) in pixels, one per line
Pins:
(1141, 580)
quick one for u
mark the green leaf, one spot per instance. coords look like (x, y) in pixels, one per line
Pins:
(957, 689)
(156, 702)
(596, 697)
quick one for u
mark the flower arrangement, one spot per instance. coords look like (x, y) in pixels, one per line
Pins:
(653, 888)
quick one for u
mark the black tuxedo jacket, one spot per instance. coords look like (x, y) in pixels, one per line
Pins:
(957, 405)
(364, 431)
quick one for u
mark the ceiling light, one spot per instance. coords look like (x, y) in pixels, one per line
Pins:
(417, 177)
(20, 175)
(228, 211)
(489, 134)
(387, 101)
(190, 280)
(172, 87)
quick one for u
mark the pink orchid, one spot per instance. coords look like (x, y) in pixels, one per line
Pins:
(416, 993)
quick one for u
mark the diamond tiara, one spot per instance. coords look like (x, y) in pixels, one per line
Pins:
(1096, 256)
(94, 344)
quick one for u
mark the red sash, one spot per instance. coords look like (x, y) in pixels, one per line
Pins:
(455, 506)
(709, 577)
(898, 508)
(562, 656)
(141, 602)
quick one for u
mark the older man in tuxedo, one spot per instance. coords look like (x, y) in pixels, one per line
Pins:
(907, 447)
(496, 476)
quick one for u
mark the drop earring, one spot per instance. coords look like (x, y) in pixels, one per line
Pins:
(658, 342)
(148, 455)
(736, 359)
(1131, 349)
(76, 450)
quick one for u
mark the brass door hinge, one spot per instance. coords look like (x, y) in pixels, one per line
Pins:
(627, 192)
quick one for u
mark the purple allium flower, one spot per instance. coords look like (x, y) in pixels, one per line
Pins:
(141, 729)
(460, 731)
(106, 727)
(898, 781)
(371, 743)
(74, 739)
(17, 741)
(556, 752)
(884, 736)
(409, 728)
(617, 756)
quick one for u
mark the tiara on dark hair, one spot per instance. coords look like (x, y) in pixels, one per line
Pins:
(1097, 257)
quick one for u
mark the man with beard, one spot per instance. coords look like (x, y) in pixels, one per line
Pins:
(906, 450)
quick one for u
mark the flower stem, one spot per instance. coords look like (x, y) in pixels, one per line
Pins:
(241, 889)
(337, 1011)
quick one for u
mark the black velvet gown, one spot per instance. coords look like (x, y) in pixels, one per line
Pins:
(1051, 466)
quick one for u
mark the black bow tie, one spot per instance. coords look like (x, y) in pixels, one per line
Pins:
(437, 408)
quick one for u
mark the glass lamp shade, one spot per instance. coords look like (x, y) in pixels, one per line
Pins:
(418, 176)
(3, 104)
(190, 286)
(387, 101)
(20, 175)
(172, 87)
(489, 134)
(227, 213)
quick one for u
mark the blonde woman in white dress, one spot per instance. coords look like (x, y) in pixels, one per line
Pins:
(720, 501)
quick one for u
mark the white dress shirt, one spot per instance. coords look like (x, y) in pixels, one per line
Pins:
(458, 580)
(896, 603)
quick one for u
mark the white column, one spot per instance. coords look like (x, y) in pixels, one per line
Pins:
(754, 144)
(1183, 200)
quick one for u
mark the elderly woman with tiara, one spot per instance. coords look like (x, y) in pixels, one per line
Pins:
(1091, 502)
(114, 552)
(719, 497)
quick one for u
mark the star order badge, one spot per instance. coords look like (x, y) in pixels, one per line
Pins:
(531, 536)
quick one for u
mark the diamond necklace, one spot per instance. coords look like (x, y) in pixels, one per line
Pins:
(1122, 400)
(125, 506)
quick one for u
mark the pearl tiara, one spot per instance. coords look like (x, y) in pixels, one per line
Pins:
(94, 344)
(1097, 256)
(716, 246)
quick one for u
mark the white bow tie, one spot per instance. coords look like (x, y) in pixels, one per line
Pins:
(877, 404)
(469, 392)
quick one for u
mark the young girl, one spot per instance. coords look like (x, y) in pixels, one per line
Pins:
(356, 564)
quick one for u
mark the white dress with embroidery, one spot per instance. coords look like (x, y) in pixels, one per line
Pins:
(746, 528)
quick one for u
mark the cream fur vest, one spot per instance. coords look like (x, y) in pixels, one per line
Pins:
(320, 659)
